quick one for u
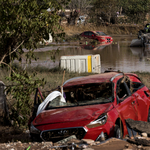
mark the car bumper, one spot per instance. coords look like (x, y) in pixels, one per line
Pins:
(89, 133)
(94, 133)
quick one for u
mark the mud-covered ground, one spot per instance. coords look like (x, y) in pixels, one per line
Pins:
(15, 139)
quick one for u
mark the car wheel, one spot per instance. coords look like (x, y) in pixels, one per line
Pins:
(148, 119)
(118, 132)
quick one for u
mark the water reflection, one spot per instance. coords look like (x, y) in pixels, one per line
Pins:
(118, 55)
(142, 52)
(94, 46)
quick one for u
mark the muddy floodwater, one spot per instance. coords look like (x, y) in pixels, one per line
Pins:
(117, 55)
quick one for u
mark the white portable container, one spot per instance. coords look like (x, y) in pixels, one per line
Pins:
(81, 63)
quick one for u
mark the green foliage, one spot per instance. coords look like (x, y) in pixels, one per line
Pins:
(105, 9)
(23, 24)
(136, 10)
(23, 88)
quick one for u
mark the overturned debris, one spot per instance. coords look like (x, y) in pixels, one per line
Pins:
(139, 141)
(139, 126)
(140, 131)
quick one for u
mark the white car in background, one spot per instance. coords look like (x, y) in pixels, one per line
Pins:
(81, 20)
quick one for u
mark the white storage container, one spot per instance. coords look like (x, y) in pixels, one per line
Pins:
(81, 63)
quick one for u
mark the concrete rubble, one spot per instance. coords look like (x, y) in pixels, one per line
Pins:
(73, 144)
(138, 141)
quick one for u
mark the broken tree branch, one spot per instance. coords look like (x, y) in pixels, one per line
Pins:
(16, 48)
(9, 67)
(5, 55)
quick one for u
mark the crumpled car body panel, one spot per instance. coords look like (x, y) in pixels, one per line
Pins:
(95, 104)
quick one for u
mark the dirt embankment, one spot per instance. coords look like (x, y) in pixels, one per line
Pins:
(112, 29)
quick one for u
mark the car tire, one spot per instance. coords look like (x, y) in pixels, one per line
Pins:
(148, 118)
(118, 132)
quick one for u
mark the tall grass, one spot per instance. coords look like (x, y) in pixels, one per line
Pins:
(54, 77)
(145, 77)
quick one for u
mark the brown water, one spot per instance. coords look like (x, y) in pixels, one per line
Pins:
(118, 55)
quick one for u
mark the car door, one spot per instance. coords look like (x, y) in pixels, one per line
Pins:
(125, 106)
(86, 34)
(91, 35)
(141, 100)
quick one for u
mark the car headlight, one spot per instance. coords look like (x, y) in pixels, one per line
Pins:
(101, 120)
(34, 130)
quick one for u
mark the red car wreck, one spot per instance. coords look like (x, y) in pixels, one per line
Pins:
(97, 35)
(91, 107)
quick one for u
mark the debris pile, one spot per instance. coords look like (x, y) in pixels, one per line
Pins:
(73, 144)
(139, 132)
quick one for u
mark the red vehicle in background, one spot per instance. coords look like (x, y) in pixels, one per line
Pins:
(97, 35)
(91, 107)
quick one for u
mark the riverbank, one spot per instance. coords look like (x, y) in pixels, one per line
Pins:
(112, 29)
(115, 30)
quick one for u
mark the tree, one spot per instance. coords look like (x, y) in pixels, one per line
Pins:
(80, 5)
(104, 10)
(136, 10)
(76, 7)
(23, 24)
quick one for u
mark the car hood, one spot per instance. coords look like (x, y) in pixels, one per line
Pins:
(71, 114)
(104, 36)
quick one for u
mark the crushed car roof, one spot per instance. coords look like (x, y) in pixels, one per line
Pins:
(104, 77)
(98, 78)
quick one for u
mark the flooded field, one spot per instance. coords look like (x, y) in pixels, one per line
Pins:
(117, 55)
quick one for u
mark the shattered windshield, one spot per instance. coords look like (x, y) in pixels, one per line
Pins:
(100, 33)
(84, 95)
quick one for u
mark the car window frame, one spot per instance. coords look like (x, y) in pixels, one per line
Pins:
(127, 89)
(91, 34)
(103, 34)
(136, 89)
(76, 104)
(87, 33)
